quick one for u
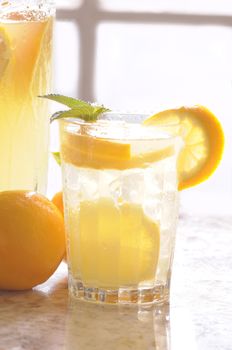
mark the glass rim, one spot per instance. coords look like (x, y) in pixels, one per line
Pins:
(105, 122)
(47, 6)
(116, 117)
(27, 2)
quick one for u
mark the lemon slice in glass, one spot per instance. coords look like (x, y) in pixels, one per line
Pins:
(97, 153)
(116, 245)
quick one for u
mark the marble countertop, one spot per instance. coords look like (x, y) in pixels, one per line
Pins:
(199, 316)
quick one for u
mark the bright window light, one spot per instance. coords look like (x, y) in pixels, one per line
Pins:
(106, 52)
(66, 53)
(68, 4)
(190, 6)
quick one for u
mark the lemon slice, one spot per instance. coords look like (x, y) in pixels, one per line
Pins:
(97, 153)
(203, 141)
(5, 51)
(93, 147)
(115, 245)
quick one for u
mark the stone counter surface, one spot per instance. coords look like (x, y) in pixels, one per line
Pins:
(199, 316)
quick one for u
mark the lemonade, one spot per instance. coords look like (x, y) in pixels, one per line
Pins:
(121, 200)
(121, 177)
(25, 73)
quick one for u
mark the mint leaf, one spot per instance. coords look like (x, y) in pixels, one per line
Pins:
(88, 114)
(100, 110)
(57, 158)
(65, 100)
(79, 109)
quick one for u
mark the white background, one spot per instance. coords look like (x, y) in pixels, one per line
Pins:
(145, 55)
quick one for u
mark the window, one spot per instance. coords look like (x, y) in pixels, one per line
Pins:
(144, 56)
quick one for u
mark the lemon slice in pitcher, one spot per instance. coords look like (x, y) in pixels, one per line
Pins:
(5, 51)
(203, 141)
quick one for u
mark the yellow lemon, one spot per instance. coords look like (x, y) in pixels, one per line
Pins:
(32, 239)
(58, 201)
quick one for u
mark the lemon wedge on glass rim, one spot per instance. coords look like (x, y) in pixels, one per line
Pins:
(5, 51)
(203, 139)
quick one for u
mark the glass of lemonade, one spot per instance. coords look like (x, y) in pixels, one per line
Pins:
(121, 208)
(26, 29)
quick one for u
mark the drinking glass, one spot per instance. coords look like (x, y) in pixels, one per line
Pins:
(26, 31)
(121, 208)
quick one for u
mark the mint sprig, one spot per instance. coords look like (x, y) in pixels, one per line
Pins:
(56, 156)
(78, 108)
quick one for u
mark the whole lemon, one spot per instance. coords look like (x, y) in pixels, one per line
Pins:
(58, 201)
(32, 239)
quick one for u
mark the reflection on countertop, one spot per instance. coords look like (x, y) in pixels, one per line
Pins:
(110, 327)
(199, 316)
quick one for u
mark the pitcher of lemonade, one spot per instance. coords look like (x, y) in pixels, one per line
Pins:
(26, 31)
